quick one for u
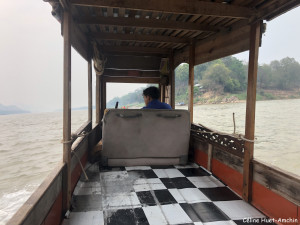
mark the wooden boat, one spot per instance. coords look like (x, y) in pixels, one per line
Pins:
(128, 40)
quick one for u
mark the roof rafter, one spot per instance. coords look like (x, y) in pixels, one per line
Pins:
(134, 49)
(194, 7)
(139, 38)
(126, 79)
(146, 23)
(270, 11)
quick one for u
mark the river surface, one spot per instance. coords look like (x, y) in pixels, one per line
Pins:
(30, 143)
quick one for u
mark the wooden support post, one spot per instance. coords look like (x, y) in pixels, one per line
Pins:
(90, 91)
(160, 95)
(209, 156)
(102, 97)
(67, 108)
(250, 111)
(163, 92)
(172, 80)
(167, 94)
(191, 79)
(98, 99)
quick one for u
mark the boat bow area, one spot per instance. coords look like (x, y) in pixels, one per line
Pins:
(157, 195)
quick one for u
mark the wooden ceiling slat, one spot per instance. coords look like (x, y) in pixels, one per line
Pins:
(167, 32)
(174, 18)
(210, 19)
(130, 79)
(181, 33)
(110, 14)
(158, 31)
(146, 23)
(202, 19)
(215, 21)
(195, 35)
(155, 27)
(128, 49)
(144, 31)
(274, 9)
(255, 3)
(223, 22)
(130, 72)
(133, 62)
(191, 19)
(78, 11)
(231, 22)
(193, 7)
(99, 12)
(152, 31)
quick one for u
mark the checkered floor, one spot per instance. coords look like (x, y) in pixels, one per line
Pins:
(157, 195)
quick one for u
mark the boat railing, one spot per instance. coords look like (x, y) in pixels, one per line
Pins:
(227, 142)
(48, 202)
(272, 189)
(82, 131)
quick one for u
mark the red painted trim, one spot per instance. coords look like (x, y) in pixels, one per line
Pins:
(298, 214)
(229, 176)
(270, 203)
(273, 205)
(54, 217)
(201, 158)
(77, 171)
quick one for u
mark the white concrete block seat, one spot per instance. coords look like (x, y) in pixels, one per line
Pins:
(133, 137)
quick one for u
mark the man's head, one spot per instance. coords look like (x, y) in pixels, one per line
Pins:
(150, 94)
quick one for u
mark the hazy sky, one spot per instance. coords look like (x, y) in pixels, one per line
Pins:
(31, 56)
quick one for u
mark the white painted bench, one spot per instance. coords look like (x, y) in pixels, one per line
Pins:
(133, 137)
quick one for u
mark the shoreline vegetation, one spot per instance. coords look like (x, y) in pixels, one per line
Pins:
(225, 81)
(218, 82)
(262, 95)
(210, 98)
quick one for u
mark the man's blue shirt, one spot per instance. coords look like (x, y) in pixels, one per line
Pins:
(155, 104)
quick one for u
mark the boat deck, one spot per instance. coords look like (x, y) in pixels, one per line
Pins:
(157, 195)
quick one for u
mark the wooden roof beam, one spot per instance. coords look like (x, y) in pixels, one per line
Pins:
(274, 10)
(139, 38)
(151, 80)
(128, 62)
(193, 7)
(134, 49)
(131, 73)
(216, 47)
(146, 23)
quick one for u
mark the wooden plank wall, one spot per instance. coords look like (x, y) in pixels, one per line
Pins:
(36, 208)
(275, 192)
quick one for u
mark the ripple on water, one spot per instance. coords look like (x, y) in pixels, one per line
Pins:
(31, 152)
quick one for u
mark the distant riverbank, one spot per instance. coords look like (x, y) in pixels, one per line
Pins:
(221, 98)
(208, 98)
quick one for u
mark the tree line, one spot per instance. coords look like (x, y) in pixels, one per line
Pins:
(226, 75)
(229, 75)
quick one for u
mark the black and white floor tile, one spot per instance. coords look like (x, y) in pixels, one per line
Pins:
(156, 195)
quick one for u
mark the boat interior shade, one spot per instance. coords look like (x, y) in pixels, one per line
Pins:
(133, 137)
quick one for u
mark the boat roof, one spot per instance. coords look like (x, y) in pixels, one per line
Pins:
(160, 28)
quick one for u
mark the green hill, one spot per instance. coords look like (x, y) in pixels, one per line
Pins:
(11, 109)
(225, 80)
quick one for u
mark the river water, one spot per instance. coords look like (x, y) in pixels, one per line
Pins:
(30, 143)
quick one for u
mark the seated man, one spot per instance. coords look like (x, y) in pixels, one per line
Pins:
(151, 96)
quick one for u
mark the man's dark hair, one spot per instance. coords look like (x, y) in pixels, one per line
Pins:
(152, 91)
